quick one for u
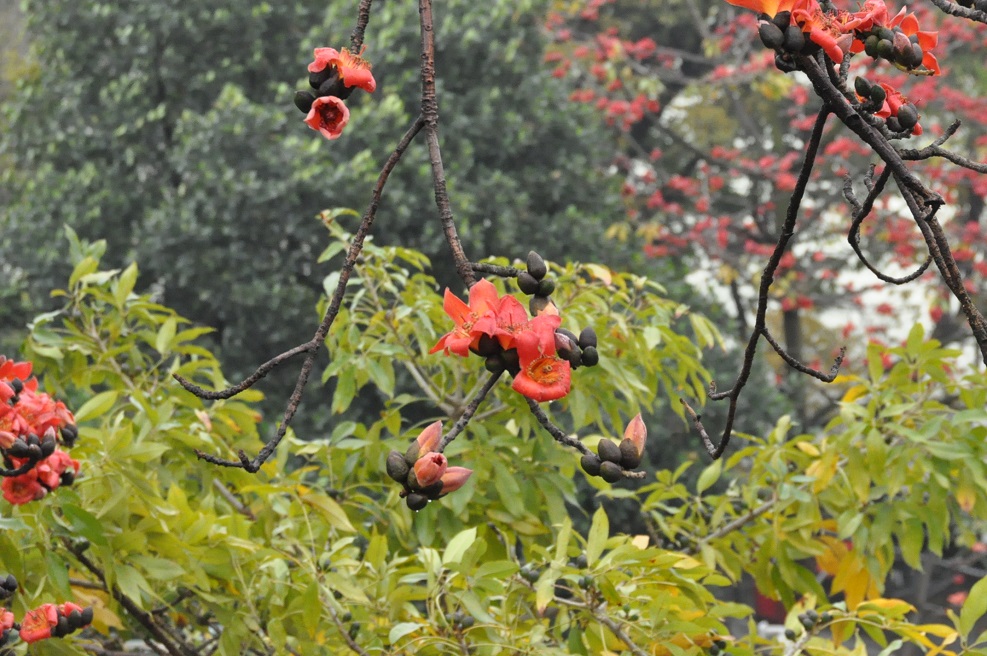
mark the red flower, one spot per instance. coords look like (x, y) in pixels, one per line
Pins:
(928, 40)
(329, 116)
(483, 301)
(428, 440)
(353, 70)
(23, 489)
(50, 470)
(430, 468)
(512, 318)
(825, 30)
(892, 103)
(544, 376)
(6, 620)
(38, 623)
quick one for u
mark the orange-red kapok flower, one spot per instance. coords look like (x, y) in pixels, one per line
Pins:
(428, 440)
(329, 115)
(430, 468)
(636, 433)
(472, 321)
(544, 376)
(353, 70)
(38, 623)
(6, 620)
(23, 489)
(825, 30)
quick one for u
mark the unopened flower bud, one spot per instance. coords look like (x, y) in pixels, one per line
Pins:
(870, 46)
(536, 265)
(487, 346)
(611, 472)
(907, 116)
(782, 19)
(629, 456)
(494, 365)
(430, 468)
(397, 467)
(19, 449)
(546, 287)
(587, 338)
(48, 443)
(540, 304)
(303, 101)
(87, 615)
(636, 433)
(590, 463)
(771, 35)
(794, 39)
(893, 124)
(7, 439)
(527, 283)
(608, 450)
(426, 442)
(591, 357)
(70, 432)
(315, 80)
(454, 478)
(564, 345)
(416, 501)
(862, 87)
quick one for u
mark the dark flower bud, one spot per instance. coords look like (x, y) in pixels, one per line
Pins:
(75, 620)
(591, 464)
(784, 63)
(33, 440)
(608, 450)
(433, 491)
(587, 338)
(790, 634)
(907, 116)
(87, 616)
(67, 477)
(303, 101)
(877, 94)
(494, 364)
(540, 304)
(630, 457)
(782, 19)
(315, 80)
(536, 265)
(611, 471)
(34, 451)
(916, 56)
(9, 583)
(487, 346)
(794, 38)
(467, 621)
(885, 34)
(568, 333)
(62, 628)
(771, 35)
(564, 344)
(591, 357)
(411, 454)
(70, 433)
(48, 443)
(885, 49)
(893, 124)
(546, 286)
(416, 501)
(334, 87)
(19, 449)
(575, 358)
(862, 87)
(527, 283)
(870, 46)
(512, 363)
(397, 466)
(17, 385)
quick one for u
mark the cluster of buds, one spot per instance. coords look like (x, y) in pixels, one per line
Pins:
(615, 459)
(886, 102)
(45, 621)
(894, 45)
(31, 426)
(333, 75)
(784, 37)
(535, 351)
(423, 471)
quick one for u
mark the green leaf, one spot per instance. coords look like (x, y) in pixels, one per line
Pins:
(974, 608)
(85, 524)
(402, 629)
(162, 343)
(598, 533)
(125, 284)
(709, 476)
(458, 545)
(96, 406)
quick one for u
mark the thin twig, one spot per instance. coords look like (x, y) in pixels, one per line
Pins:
(468, 412)
(246, 383)
(356, 247)
(801, 368)
(430, 111)
(362, 18)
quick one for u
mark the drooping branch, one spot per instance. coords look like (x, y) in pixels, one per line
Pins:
(468, 412)
(767, 278)
(860, 212)
(801, 368)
